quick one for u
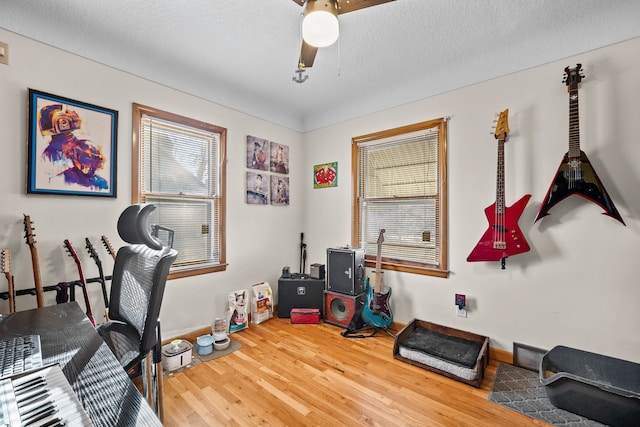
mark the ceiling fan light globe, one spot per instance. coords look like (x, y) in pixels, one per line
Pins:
(320, 28)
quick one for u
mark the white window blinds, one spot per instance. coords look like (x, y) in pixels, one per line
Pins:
(399, 190)
(179, 173)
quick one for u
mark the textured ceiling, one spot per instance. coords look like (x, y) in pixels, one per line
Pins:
(243, 53)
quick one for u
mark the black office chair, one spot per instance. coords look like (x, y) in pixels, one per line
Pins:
(137, 288)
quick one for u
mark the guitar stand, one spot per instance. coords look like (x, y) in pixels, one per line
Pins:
(51, 288)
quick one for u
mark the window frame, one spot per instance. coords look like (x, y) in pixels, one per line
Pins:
(441, 200)
(138, 193)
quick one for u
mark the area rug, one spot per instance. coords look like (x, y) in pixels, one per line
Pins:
(520, 390)
(233, 346)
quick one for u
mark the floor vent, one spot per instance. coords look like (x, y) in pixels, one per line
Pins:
(527, 357)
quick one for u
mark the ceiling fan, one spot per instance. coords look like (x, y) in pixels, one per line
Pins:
(320, 24)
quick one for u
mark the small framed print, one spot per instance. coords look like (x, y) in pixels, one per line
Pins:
(279, 190)
(257, 188)
(257, 153)
(325, 175)
(72, 147)
(279, 158)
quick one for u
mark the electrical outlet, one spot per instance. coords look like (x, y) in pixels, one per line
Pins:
(461, 305)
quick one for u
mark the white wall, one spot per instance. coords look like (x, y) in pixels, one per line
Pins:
(578, 286)
(260, 239)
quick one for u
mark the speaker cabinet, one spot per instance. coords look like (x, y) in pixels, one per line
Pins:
(345, 268)
(299, 293)
(340, 308)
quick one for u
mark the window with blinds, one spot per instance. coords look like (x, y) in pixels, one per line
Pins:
(400, 186)
(179, 166)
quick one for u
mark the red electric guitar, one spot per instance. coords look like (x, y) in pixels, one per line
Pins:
(83, 282)
(376, 311)
(575, 174)
(5, 264)
(503, 238)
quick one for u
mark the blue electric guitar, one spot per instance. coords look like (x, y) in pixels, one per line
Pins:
(376, 311)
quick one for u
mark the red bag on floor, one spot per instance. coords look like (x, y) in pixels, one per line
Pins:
(305, 315)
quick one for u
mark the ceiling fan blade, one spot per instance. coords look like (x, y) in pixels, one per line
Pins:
(346, 6)
(307, 54)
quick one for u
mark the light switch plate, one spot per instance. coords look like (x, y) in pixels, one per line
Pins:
(4, 53)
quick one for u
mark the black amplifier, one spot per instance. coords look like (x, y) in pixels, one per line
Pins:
(300, 292)
(345, 270)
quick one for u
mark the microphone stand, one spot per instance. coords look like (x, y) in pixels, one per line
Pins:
(303, 254)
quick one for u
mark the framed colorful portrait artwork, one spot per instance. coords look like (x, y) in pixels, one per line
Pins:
(72, 147)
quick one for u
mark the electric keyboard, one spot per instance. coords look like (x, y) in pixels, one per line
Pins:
(19, 354)
(40, 398)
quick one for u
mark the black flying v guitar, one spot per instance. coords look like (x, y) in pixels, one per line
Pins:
(103, 282)
(576, 174)
(503, 238)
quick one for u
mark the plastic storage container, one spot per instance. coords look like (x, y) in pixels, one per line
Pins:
(598, 387)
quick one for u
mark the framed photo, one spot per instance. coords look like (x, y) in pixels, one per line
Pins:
(72, 147)
(257, 153)
(325, 175)
(279, 158)
(279, 190)
(257, 188)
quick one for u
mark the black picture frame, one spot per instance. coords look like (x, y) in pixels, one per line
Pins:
(72, 147)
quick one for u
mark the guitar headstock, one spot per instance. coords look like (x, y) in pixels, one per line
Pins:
(502, 125)
(381, 237)
(28, 231)
(572, 76)
(71, 250)
(5, 261)
(107, 245)
(91, 249)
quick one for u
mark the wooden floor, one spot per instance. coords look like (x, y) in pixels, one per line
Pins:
(309, 375)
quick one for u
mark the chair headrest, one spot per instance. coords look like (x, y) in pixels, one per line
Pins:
(133, 226)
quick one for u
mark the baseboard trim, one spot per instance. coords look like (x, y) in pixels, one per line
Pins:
(395, 327)
(501, 355)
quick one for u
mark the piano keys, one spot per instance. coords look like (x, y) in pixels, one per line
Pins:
(40, 398)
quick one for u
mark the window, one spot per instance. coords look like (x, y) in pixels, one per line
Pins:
(179, 165)
(400, 186)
